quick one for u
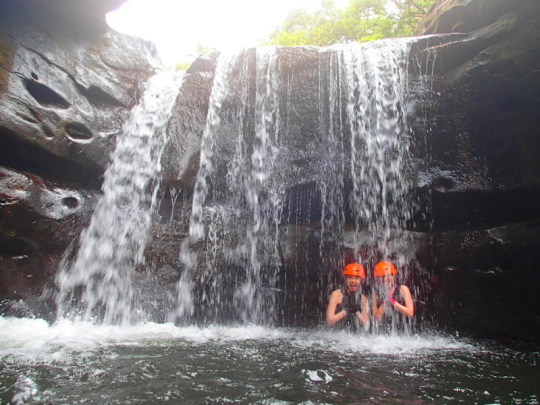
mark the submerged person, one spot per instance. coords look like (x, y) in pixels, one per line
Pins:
(390, 298)
(349, 307)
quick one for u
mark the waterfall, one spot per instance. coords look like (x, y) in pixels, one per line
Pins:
(367, 127)
(233, 235)
(233, 259)
(265, 188)
(98, 283)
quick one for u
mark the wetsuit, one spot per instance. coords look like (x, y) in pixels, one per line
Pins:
(391, 321)
(351, 303)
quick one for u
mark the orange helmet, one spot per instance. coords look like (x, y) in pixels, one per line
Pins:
(383, 268)
(354, 269)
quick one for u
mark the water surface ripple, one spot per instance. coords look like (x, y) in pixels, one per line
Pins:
(84, 363)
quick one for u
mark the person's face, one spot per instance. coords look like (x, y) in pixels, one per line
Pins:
(388, 280)
(352, 283)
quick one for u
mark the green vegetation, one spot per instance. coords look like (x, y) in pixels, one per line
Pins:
(201, 50)
(182, 66)
(362, 20)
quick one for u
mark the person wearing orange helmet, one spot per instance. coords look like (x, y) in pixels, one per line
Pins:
(349, 304)
(395, 298)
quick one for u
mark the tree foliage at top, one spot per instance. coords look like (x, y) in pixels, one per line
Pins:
(362, 20)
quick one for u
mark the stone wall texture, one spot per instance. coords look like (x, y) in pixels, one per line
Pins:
(67, 83)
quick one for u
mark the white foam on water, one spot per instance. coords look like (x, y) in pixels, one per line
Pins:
(398, 344)
(318, 375)
(35, 341)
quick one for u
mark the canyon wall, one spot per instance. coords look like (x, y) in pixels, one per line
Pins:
(66, 88)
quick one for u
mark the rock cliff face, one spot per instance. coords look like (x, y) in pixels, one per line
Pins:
(67, 83)
(64, 97)
(476, 136)
(484, 172)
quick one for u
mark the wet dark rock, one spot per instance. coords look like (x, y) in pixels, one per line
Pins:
(489, 280)
(67, 84)
(484, 174)
(38, 221)
(65, 97)
(204, 63)
(65, 93)
(186, 128)
(465, 15)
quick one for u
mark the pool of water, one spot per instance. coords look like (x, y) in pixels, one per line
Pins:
(83, 363)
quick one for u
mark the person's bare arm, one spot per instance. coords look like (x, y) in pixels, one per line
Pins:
(331, 317)
(408, 308)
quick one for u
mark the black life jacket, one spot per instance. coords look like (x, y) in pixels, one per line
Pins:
(350, 321)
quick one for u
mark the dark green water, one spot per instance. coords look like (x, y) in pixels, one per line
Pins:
(84, 364)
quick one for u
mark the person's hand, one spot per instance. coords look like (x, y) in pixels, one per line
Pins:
(355, 308)
(391, 296)
(350, 306)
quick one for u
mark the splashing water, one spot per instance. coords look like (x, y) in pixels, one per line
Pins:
(76, 362)
(97, 284)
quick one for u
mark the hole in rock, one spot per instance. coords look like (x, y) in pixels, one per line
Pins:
(48, 133)
(98, 96)
(44, 95)
(34, 76)
(443, 184)
(78, 131)
(21, 155)
(70, 202)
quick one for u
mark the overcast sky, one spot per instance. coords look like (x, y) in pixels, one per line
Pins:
(178, 26)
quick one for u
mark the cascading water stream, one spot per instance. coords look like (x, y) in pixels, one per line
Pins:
(235, 208)
(232, 255)
(97, 284)
(263, 199)
(367, 126)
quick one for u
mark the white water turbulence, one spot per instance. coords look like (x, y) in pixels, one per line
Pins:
(97, 284)
(81, 362)
(235, 208)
